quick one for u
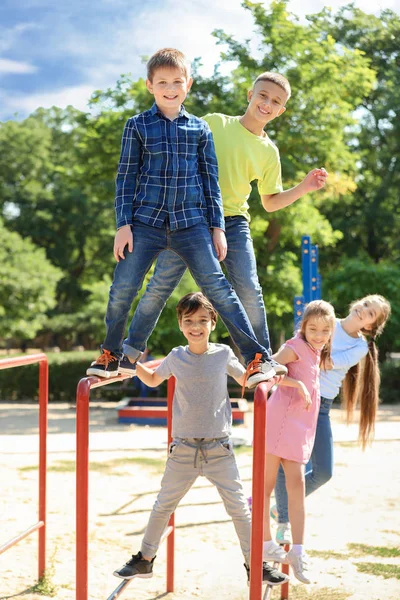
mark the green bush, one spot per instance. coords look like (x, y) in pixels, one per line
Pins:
(390, 383)
(65, 370)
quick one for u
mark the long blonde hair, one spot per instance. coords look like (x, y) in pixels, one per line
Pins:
(320, 309)
(361, 383)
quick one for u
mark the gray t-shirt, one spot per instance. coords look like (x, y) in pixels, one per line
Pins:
(201, 405)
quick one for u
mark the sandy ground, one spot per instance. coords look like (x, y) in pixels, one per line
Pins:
(360, 505)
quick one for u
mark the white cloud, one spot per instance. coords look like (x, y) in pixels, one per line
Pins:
(11, 36)
(77, 96)
(15, 66)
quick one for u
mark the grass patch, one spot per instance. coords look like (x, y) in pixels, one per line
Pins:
(243, 450)
(143, 461)
(325, 554)
(382, 551)
(347, 444)
(45, 585)
(300, 592)
(385, 571)
(107, 468)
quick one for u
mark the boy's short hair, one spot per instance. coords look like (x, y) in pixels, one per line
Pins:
(190, 303)
(276, 78)
(170, 58)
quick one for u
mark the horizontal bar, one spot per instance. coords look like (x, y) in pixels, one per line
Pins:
(20, 537)
(19, 361)
(118, 591)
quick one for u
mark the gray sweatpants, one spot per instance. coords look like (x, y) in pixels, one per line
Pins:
(188, 459)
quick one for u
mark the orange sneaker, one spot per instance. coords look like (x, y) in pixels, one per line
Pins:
(105, 366)
(259, 369)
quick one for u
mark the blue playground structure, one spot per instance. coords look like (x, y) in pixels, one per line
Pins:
(311, 278)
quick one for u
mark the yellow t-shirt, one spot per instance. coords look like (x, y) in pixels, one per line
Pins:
(242, 158)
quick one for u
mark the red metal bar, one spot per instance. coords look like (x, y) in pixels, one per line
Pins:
(257, 521)
(171, 523)
(19, 361)
(82, 485)
(82, 477)
(285, 586)
(43, 418)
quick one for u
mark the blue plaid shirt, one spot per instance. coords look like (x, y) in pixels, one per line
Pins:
(168, 170)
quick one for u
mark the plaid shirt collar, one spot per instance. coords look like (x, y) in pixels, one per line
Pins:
(154, 110)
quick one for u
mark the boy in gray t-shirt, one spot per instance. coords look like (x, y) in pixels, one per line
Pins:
(201, 425)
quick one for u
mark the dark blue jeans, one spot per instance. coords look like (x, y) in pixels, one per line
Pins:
(319, 469)
(240, 263)
(194, 246)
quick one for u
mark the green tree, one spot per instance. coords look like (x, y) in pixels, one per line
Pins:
(370, 217)
(27, 286)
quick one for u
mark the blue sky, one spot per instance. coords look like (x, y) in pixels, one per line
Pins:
(53, 53)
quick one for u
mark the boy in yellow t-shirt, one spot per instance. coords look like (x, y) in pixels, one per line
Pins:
(245, 153)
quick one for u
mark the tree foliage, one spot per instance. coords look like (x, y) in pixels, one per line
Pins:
(27, 286)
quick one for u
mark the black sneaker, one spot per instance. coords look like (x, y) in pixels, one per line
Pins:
(271, 576)
(259, 369)
(136, 567)
(279, 369)
(126, 367)
(105, 366)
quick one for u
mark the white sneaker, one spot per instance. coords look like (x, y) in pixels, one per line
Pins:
(283, 533)
(300, 566)
(275, 553)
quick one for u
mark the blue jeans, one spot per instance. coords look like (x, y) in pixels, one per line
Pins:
(194, 246)
(319, 469)
(240, 263)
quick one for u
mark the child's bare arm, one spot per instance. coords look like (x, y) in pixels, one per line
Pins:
(314, 180)
(148, 376)
(295, 383)
(285, 355)
(240, 379)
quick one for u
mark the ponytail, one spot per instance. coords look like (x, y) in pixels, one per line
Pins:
(362, 382)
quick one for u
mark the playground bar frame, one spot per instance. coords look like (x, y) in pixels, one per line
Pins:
(82, 484)
(40, 526)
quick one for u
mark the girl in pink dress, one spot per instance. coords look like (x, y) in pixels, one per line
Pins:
(292, 413)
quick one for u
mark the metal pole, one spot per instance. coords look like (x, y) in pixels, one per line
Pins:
(43, 415)
(257, 521)
(82, 487)
(306, 267)
(171, 523)
(314, 272)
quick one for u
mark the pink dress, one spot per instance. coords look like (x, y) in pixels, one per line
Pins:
(290, 427)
